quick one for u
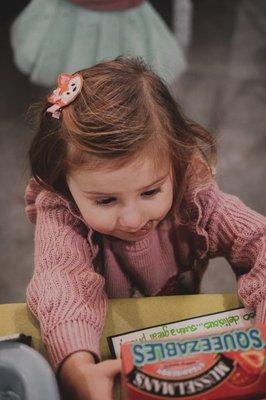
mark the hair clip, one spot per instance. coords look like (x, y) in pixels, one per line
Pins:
(69, 87)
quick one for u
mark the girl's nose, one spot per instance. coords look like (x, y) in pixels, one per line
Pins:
(130, 220)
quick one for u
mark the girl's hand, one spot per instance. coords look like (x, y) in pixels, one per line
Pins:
(81, 379)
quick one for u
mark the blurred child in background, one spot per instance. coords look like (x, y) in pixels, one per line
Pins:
(51, 36)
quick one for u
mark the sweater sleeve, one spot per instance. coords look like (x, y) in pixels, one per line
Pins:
(239, 234)
(65, 293)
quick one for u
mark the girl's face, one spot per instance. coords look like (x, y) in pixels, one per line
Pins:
(127, 202)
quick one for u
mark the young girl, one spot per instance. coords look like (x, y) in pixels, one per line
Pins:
(125, 204)
(51, 36)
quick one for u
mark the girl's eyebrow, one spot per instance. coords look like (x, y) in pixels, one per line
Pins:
(160, 180)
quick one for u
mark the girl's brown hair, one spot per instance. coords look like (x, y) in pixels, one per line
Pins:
(124, 108)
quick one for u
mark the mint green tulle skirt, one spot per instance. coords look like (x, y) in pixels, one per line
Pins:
(54, 36)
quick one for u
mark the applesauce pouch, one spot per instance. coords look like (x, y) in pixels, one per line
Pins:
(227, 365)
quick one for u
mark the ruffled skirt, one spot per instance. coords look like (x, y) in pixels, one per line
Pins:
(54, 36)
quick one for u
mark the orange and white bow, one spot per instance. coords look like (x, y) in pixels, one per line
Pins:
(69, 87)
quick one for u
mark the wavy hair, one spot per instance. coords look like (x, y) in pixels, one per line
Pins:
(123, 110)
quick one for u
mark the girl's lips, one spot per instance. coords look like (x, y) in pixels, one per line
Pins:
(144, 230)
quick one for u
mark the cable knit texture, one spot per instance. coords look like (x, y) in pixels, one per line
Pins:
(76, 269)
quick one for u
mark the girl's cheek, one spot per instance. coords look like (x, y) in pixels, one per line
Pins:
(100, 220)
(165, 207)
(166, 200)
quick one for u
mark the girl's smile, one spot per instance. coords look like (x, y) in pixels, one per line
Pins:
(143, 231)
(126, 202)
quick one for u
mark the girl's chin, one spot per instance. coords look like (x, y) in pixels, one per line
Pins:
(131, 238)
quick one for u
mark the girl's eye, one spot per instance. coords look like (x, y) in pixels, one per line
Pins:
(105, 202)
(150, 193)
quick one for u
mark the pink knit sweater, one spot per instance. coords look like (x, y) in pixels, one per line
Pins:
(77, 269)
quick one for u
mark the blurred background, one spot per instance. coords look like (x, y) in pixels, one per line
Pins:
(220, 82)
